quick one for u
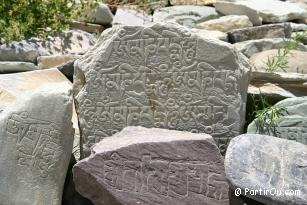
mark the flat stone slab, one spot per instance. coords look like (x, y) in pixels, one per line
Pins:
(270, 11)
(192, 2)
(275, 166)
(160, 76)
(153, 166)
(14, 67)
(292, 125)
(282, 30)
(36, 139)
(226, 23)
(187, 15)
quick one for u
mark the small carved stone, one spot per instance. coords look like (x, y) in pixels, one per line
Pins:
(160, 76)
(153, 166)
(36, 139)
(277, 167)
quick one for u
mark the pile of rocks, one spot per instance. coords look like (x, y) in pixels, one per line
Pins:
(156, 111)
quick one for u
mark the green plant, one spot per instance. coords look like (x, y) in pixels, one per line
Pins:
(267, 116)
(280, 61)
(21, 19)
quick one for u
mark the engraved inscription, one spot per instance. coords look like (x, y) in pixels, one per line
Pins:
(156, 78)
(162, 177)
(37, 142)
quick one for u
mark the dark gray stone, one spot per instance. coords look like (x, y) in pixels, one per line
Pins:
(282, 30)
(260, 162)
(153, 166)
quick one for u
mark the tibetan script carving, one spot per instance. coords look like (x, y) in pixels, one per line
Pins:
(160, 76)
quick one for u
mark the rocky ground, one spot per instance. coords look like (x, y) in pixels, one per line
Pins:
(179, 102)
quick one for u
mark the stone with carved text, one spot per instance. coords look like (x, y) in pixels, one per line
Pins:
(277, 167)
(36, 138)
(292, 125)
(153, 166)
(163, 76)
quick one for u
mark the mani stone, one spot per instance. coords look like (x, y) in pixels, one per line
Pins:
(260, 162)
(153, 166)
(282, 30)
(292, 125)
(36, 139)
(226, 23)
(160, 76)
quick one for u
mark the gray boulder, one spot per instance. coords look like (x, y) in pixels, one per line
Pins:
(131, 17)
(65, 42)
(101, 14)
(282, 30)
(36, 139)
(153, 166)
(268, 169)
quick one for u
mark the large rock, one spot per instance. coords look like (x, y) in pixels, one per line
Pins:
(14, 85)
(282, 30)
(249, 48)
(36, 139)
(192, 2)
(100, 14)
(65, 42)
(14, 67)
(263, 10)
(160, 76)
(211, 34)
(292, 125)
(226, 23)
(275, 166)
(296, 60)
(186, 15)
(131, 17)
(153, 166)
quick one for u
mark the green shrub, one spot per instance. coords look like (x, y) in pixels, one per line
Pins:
(21, 19)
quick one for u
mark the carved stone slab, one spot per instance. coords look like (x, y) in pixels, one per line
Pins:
(161, 76)
(263, 162)
(291, 126)
(153, 166)
(36, 138)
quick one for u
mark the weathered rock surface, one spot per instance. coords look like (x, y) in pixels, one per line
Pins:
(296, 60)
(145, 76)
(291, 126)
(45, 62)
(66, 42)
(153, 166)
(264, 162)
(186, 15)
(13, 67)
(249, 48)
(14, 85)
(36, 139)
(266, 10)
(192, 2)
(226, 23)
(68, 70)
(131, 17)
(282, 30)
(101, 14)
(233, 8)
(88, 27)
